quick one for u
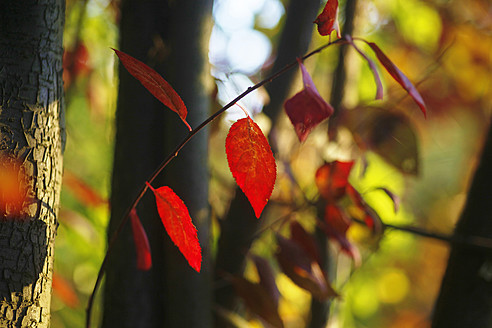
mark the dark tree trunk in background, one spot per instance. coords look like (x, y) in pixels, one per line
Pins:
(465, 299)
(31, 133)
(240, 223)
(172, 37)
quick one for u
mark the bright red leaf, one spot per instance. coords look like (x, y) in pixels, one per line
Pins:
(337, 224)
(13, 187)
(332, 179)
(399, 77)
(156, 85)
(142, 246)
(327, 21)
(177, 221)
(251, 162)
(372, 66)
(307, 108)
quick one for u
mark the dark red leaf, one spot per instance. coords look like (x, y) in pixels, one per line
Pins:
(398, 76)
(267, 278)
(307, 108)
(303, 271)
(305, 240)
(332, 178)
(327, 21)
(142, 246)
(337, 224)
(156, 85)
(251, 162)
(177, 221)
(372, 66)
(258, 301)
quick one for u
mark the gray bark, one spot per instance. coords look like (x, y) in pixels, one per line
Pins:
(32, 133)
(171, 37)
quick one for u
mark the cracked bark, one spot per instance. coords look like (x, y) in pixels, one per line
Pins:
(31, 133)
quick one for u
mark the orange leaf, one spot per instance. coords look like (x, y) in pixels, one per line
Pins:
(307, 108)
(398, 75)
(142, 246)
(81, 190)
(156, 85)
(65, 291)
(13, 190)
(251, 162)
(177, 221)
(327, 21)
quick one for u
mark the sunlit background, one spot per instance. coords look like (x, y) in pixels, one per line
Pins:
(445, 47)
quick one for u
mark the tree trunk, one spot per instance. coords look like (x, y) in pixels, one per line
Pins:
(172, 37)
(31, 133)
(465, 299)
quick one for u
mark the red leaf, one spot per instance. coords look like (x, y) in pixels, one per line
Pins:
(398, 76)
(251, 162)
(303, 271)
(372, 66)
(307, 108)
(258, 301)
(156, 85)
(13, 187)
(327, 21)
(177, 221)
(142, 246)
(337, 224)
(332, 179)
(305, 240)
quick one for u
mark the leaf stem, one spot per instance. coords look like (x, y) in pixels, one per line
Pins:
(174, 154)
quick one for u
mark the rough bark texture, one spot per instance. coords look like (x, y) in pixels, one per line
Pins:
(172, 37)
(240, 224)
(465, 299)
(31, 132)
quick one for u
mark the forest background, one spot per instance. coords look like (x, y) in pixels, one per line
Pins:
(443, 46)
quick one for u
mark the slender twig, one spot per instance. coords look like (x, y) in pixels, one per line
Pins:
(476, 242)
(174, 154)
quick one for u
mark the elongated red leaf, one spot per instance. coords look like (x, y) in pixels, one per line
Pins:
(327, 21)
(142, 246)
(177, 221)
(251, 162)
(332, 179)
(155, 83)
(399, 77)
(372, 66)
(307, 108)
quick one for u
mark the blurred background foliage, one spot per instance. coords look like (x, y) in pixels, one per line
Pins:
(444, 47)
